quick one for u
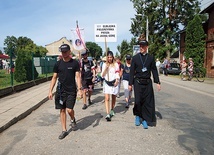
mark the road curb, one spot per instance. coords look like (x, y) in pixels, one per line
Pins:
(23, 115)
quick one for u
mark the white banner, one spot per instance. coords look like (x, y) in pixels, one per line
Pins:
(136, 49)
(78, 39)
(105, 31)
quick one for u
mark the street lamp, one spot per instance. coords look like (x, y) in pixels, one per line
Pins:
(147, 26)
(147, 31)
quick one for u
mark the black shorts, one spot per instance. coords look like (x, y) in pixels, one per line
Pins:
(86, 83)
(68, 100)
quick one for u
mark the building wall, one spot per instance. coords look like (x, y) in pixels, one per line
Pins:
(53, 48)
(210, 46)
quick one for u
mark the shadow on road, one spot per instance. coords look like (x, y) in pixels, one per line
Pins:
(87, 121)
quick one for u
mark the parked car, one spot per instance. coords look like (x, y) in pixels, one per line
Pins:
(174, 68)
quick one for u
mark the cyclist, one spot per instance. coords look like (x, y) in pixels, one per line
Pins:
(190, 67)
(183, 65)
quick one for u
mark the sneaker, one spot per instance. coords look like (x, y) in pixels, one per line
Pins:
(74, 125)
(127, 105)
(137, 120)
(89, 102)
(63, 134)
(108, 118)
(84, 106)
(111, 113)
(144, 124)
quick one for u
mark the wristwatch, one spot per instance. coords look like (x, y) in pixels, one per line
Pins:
(158, 83)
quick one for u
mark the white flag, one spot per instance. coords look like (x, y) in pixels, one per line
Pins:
(78, 39)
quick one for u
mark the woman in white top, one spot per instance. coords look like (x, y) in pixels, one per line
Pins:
(110, 72)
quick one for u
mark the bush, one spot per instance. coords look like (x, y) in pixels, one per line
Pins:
(23, 71)
(20, 71)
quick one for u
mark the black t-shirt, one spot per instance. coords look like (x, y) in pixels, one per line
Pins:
(87, 69)
(126, 71)
(66, 74)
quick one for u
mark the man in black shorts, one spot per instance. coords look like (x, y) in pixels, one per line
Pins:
(66, 70)
(87, 78)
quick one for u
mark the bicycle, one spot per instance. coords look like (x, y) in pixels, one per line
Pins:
(197, 73)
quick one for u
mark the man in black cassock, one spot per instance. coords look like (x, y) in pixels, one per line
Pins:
(143, 64)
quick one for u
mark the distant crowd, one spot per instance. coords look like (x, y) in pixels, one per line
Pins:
(5, 64)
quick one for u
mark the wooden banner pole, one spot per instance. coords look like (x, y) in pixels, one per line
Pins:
(106, 47)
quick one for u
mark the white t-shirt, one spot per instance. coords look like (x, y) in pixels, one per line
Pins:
(158, 63)
(113, 74)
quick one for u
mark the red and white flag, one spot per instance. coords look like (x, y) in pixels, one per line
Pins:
(78, 39)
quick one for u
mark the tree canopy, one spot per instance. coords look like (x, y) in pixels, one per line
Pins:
(195, 41)
(95, 50)
(17, 44)
(165, 19)
(23, 49)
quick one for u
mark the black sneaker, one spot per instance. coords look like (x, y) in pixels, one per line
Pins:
(84, 106)
(127, 105)
(63, 134)
(89, 102)
(108, 118)
(74, 125)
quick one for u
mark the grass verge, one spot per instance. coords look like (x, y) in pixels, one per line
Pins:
(5, 79)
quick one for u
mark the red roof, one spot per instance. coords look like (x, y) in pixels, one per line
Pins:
(2, 56)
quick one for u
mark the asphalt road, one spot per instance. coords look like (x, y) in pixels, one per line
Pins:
(184, 126)
(190, 112)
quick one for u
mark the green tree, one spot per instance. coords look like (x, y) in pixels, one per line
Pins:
(165, 17)
(24, 66)
(23, 48)
(124, 48)
(11, 44)
(14, 44)
(20, 74)
(95, 50)
(40, 51)
(195, 41)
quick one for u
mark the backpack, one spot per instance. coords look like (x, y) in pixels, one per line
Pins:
(86, 74)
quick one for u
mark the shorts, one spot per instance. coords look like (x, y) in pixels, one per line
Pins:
(87, 84)
(68, 100)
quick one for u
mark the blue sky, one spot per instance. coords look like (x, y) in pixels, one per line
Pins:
(46, 21)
